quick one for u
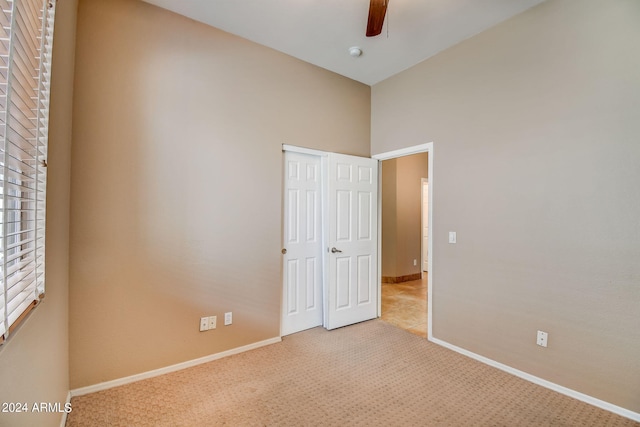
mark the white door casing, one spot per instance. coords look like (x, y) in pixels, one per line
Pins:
(302, 303)
(421, 148)
(352, 210)
(425, 225)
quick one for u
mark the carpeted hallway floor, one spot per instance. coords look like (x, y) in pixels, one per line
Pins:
(368, 374)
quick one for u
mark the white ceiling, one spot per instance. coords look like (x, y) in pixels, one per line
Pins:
(322, 31)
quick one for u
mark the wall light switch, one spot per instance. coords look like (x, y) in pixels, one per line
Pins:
(452, 237)
(228, 318)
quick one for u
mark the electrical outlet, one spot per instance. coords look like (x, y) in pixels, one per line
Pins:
(228, 318)
(542, 338)
(212, 322)
(415, 262)
(204, 324)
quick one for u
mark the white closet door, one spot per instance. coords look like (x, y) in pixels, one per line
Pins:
(302, 293)
(352, 240)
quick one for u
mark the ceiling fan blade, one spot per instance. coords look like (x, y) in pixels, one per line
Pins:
(377, 10)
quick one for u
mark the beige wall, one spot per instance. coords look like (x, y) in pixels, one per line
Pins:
(389, 239)
(401, 214)
(177, 183)
(34, 364)
(535, 129)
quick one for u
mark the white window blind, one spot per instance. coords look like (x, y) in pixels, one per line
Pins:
(26, 41)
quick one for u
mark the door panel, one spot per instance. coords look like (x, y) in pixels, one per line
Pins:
(364, 279)
(302, 290)
(343, 283)
(352, 219)
(364, 213)
(292, 287)
(313, 274)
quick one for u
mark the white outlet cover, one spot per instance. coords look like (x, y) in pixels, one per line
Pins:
(452, 237)
(212, 322)
(542, 338)
(204, 324)
(228, 318)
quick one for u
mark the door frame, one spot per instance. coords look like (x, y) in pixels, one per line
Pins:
(416, 149)
(423, 181)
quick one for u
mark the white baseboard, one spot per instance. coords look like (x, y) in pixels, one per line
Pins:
(63, 420)
(544, 383)
(156, 372)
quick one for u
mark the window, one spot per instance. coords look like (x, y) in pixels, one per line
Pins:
(26, 40)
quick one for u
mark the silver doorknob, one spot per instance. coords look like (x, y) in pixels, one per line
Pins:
(284, 251)
(334, 250)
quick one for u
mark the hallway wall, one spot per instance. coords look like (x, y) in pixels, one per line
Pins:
(401, 216)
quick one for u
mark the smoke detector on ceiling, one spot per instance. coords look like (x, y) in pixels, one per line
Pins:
(355, 51)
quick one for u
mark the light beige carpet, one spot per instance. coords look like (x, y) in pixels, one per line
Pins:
(369, 374)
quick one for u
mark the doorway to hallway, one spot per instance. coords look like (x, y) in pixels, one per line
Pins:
(404, 242)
